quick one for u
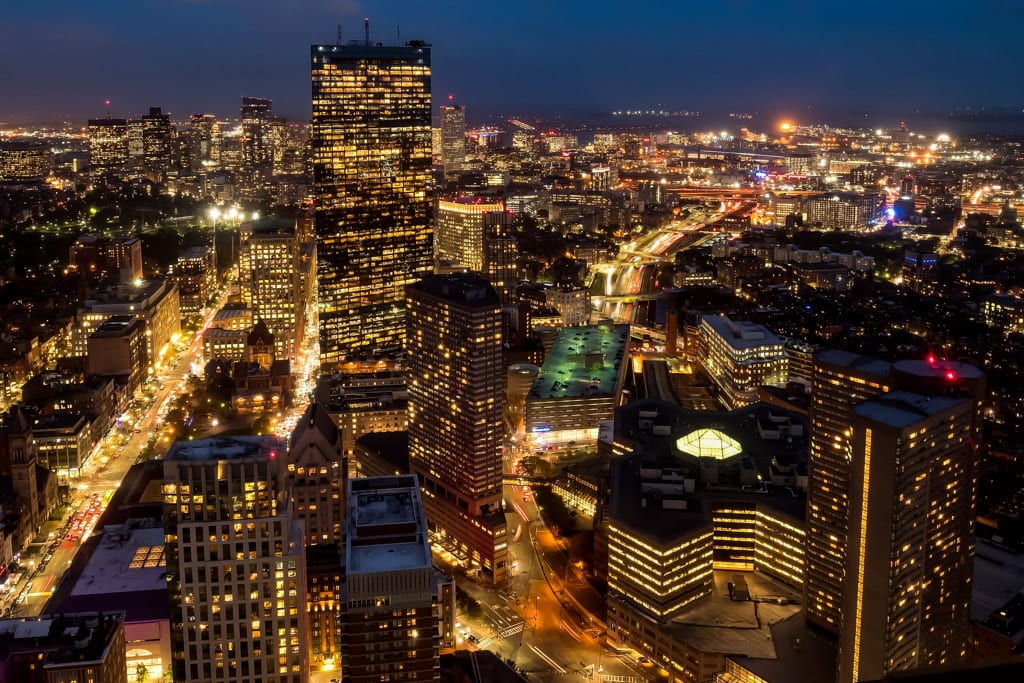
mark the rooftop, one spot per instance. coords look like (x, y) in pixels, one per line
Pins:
(741, 334)
(583, 361)
(903, 408)
(386, 526)
(226, 448)
(62, 639)
(853, 361)
(465, 289)
(117, 326)
(126, 571)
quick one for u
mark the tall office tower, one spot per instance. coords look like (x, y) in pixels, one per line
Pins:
(907, 593)
(390, 623)
(235, 563)
(108, 145)
(157, 142)
(499, 257)
(257, 148)
(453, 352)
(459, 235)
(271, 257)
(200, 140)
(840, 381)
(371, 172)
(453, 137)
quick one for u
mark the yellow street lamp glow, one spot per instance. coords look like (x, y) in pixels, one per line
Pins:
(785, 126)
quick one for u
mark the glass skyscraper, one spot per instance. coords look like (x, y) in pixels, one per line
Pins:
(371, 145)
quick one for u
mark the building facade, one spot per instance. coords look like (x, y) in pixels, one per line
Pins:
(741, 356)
(235, 563)
(453, 137)
(459, 235)
(390, 622)
(371, 171)
(453, 349)
(909, 564)
(839, 381)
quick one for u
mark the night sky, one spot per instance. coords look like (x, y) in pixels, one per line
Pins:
(60, 59)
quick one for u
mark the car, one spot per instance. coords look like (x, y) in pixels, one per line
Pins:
(471, 638)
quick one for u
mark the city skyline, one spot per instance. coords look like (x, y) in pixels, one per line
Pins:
(779, 59)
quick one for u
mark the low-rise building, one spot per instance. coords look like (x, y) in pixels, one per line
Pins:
(579, 384)
(698, 494)
(63, 648)
(63, 443)
(740, 357)
(118, 349)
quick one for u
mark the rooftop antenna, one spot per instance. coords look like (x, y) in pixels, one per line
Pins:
(398, 36)
(339, 34)
(107, 102)
(366, 29)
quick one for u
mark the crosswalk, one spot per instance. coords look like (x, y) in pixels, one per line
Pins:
(510, 631)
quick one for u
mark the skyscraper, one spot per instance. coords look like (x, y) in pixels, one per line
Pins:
(453, 137)
(909, 564)
(235, 563)
(371, 171)
(157, 141)
(257, 152)
(499, 255)
(453, 349)
(840, 381)
(108, 145)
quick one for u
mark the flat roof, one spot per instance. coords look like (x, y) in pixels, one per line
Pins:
(904, 408)
(583, 361)
(127, 560)
(854, 361)
(386, 526)
(741, 334)
(226, 448)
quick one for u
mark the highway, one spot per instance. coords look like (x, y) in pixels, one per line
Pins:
(631, 277)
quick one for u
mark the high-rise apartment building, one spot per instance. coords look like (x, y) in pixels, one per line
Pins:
(840, 380)
(453, 350)
(453, 137)
(909, 564)
(459, 235)
(371, 171)
(235, 563)
(391, 592)
(108, 145)
(257, 148)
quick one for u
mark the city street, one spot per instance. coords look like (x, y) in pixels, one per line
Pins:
(48, 557)
(527, 623)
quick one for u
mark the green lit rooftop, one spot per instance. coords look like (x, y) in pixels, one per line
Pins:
(583, 361)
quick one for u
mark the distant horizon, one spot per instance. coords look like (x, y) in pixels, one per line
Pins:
(987, 120)
(61, 59)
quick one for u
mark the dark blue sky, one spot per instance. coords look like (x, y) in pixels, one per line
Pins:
(60, 59)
